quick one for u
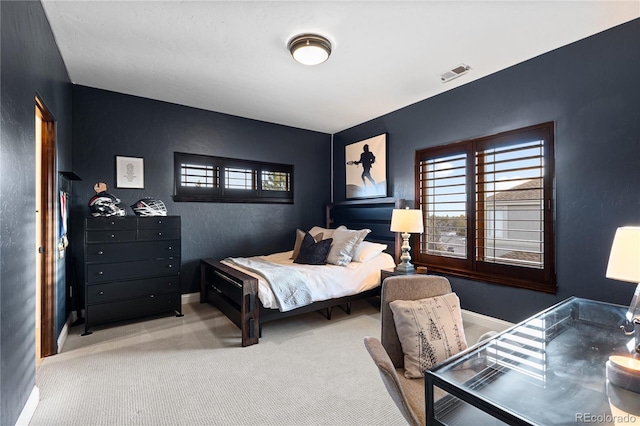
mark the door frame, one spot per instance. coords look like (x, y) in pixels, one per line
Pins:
(47, 247)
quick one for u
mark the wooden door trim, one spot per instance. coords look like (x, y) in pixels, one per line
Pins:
(48, 227)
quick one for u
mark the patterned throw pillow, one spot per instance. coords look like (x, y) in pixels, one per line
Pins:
(430, 331)
(312, 253)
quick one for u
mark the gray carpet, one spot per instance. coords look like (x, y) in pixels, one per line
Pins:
(192, 371)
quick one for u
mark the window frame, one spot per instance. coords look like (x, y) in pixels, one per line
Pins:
(543, 279)
(224, 194)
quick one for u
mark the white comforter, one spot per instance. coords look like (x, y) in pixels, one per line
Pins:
(325, 281)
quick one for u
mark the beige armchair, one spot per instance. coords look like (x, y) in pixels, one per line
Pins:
(408, 394)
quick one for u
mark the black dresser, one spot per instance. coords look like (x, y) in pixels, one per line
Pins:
(132, 268)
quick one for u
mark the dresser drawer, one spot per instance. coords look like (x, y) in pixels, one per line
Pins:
(158, 234)
(108, 252)
(113, 236)
(103, 272)
(109, 292)
(159, 222)
(132, 308)
(111, 223)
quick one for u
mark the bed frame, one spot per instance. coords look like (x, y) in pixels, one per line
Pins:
(236, 293)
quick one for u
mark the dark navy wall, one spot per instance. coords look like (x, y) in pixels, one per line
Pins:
(591, 89)
(106, 124)
(31, 65)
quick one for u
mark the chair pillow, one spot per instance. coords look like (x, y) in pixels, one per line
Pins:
(312, 253)
(299, 237)
(345, 243)
(430, 331)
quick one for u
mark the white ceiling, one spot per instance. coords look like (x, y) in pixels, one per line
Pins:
(231, 56)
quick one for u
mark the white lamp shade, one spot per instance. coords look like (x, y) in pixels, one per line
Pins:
(624, 260)
(407, 220)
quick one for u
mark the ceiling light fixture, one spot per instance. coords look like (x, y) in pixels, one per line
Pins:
(310, 49)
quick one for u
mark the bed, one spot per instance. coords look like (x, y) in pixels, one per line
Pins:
(246, 298)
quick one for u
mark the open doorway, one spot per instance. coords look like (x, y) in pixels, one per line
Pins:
(45, 231)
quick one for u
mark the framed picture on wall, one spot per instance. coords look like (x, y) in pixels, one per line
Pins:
(366, 168)
(129, 172)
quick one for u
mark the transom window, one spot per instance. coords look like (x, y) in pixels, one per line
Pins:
(198, 176)
(488, 208)
(276, 181)
(239, 178)
(218, 179)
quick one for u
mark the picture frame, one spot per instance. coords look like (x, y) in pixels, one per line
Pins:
(366, 168)
(129, 172)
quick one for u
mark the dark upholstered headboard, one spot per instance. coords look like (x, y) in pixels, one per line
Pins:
(374, 214)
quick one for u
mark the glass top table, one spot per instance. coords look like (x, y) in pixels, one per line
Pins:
(546, 370)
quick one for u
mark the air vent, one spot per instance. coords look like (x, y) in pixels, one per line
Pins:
(454, 72)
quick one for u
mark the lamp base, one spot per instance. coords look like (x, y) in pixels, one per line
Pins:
(405, 268)
(624, 372)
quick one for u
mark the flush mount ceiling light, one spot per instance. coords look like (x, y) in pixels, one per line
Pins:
(310, 49)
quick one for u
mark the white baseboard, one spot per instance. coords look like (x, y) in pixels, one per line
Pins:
(485, 321)
(191, 298)
(29, 408)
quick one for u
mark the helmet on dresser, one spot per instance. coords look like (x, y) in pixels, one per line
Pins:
(149, 207)
(105, 204)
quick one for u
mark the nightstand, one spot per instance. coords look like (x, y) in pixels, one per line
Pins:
(386, 273)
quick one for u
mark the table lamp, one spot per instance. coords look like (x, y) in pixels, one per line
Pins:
(624, 265)
(407, 221)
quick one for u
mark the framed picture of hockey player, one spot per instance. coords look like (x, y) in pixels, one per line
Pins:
(129, 172)
(366, 168)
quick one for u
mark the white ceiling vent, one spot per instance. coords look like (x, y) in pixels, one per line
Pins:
(454, 72)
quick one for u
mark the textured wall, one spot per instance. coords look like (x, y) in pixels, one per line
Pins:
(31, 64)
(107, 124)
(591, 90)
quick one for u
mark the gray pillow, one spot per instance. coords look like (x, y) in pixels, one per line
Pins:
(345, 243)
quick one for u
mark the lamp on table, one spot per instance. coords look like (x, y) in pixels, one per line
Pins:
(624, 265)
(407, 221)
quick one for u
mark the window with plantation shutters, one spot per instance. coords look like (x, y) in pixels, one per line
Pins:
(218, 179)
(488, 208)
(443, 197)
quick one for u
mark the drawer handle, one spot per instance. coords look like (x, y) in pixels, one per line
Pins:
(159, 222)
(101, 293)
(170, 266)
(100, 272)
(112, 222)
(152, 296)
(170, 248)
(100, 252)
(159, 234)
(113, 236)
(170, 284)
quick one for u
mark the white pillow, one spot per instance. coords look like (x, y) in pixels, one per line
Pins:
(367, 251)
(345, 243)
(430, 331)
